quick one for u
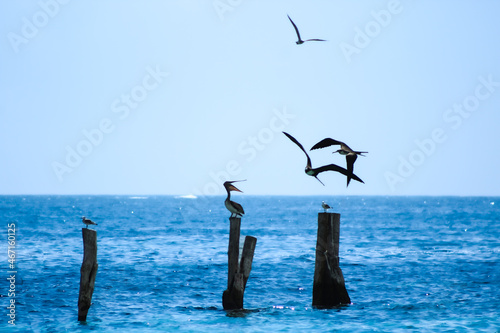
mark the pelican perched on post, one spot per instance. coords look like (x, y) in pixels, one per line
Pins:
(235, 208)
(88, 222)
(330, 167)
(350, 155)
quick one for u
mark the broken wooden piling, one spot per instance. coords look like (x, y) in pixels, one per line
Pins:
(238, 270)
(329, 285)
(88, 272)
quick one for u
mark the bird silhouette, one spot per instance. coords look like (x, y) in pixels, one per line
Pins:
(88, 222)
(350, 155)
(235, 208)
(300, 41)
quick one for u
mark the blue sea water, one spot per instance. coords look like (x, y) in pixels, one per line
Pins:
(411, 264)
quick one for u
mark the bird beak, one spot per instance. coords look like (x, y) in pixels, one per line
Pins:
(229, 185)
(234, 188)
(235, 181)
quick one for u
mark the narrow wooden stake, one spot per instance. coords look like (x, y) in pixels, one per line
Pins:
(238, 274)
(233, 251)
(329, 285)
(88, 272)
(247, 258)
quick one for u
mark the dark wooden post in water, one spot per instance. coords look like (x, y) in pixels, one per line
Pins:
(329, 285)
(88, 272)
(238, 270)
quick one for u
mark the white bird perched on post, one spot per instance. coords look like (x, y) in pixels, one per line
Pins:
(325, 206)
(88, 222)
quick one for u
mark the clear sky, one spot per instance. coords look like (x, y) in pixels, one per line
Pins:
(173, 97)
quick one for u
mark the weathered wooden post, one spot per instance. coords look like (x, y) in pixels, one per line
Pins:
(238, 270)
(329, 285)
(88, 272)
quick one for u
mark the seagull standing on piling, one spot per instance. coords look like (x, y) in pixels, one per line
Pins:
(300, 41)
(325, 206)
(88, 222)
(350, 155)
(330, 167)
(235, 208)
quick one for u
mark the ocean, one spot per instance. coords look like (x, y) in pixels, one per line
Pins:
(411, 264)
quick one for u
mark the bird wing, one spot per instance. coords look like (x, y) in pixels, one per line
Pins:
(326, 143)
(238, 207)
(315, 40)
(296, 29)
(300, 146)
(334, 167)
(350, 159)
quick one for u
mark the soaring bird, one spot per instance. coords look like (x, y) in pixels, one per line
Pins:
(87, 221)
(330, 167)
(325, 206)
(350, 155)
(235, 208)
(300, 41)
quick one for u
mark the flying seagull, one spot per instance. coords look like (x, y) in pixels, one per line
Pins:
(330, 167)
(300, 41)
(88, 222)
(325, 206)
(235, 208)
(350, 155)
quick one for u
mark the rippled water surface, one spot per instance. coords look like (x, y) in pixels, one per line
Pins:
(410, 264)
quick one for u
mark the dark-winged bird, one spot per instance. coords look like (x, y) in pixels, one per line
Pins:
(300, 41)
(235, 208)
(350, 155)
(330, 167)
(88, 222)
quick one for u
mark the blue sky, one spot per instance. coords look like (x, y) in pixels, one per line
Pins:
(173, 97)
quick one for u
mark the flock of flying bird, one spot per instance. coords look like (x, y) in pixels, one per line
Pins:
(351, 155)
(237, 210)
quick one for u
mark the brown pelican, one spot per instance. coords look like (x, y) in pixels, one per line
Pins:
(87, 221)
(330, 167)
(325, 206)
(234, 207)
(300, 41)
(350, 155)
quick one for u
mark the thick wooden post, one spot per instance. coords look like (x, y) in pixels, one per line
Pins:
(329, 285)
(88, 272)
(238, 272)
